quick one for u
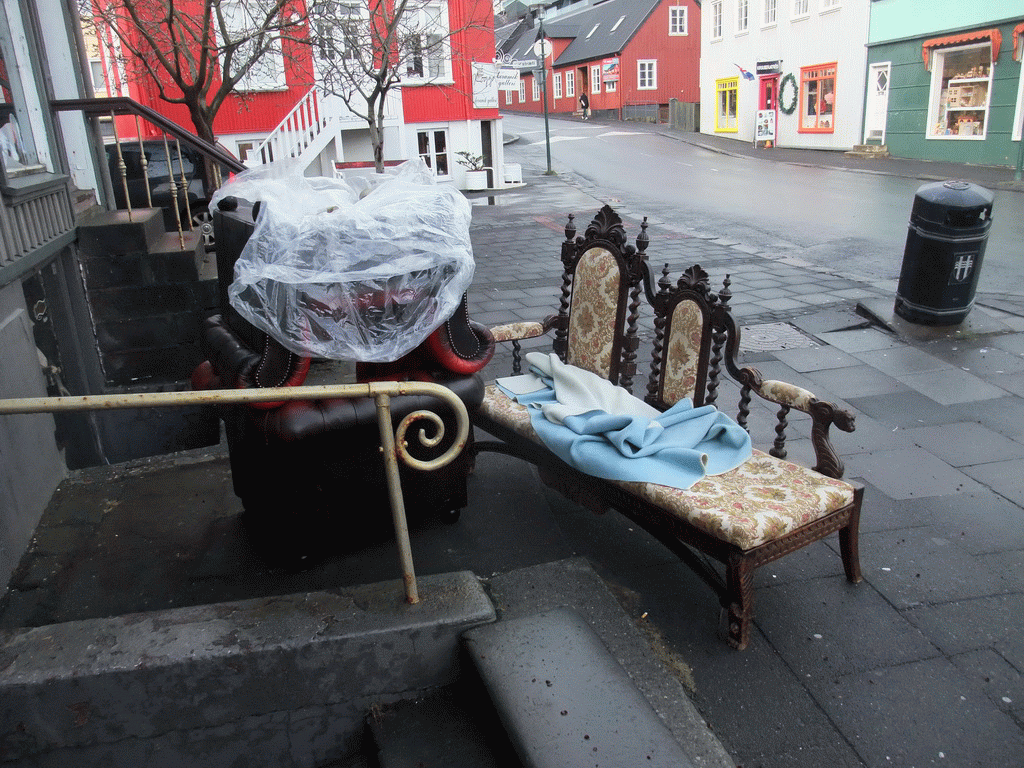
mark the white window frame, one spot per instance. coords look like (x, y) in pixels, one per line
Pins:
(570, 85)
(353, 16)
(830, 5)
(432, 155)
(1018, 114)
(770, 17)
(715, 33)
(556, 81)
(536, 88)
(611, 86)
(647, 74)
(268, 73)
(801, 9)
(430, 21)
(742, 17)
(678, 21)
(522, 91)
(938, 109)
(595, 79)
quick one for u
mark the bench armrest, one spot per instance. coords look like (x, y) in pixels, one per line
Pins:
(526, 329)
(791, 397)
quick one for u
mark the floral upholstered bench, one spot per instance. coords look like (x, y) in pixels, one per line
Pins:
(745, 517)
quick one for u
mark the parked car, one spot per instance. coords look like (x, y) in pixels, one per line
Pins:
(189, 166)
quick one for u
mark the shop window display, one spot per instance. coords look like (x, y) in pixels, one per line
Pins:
(817, 99)
(961, 85)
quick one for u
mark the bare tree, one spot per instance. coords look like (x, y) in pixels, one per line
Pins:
(196, 52)
(365, 48)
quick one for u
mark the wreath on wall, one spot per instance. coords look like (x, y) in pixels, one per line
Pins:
(787, 94)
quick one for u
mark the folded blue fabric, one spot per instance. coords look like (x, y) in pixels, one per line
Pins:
(677, 449)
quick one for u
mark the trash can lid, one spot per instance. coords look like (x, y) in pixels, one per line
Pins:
(956, 194)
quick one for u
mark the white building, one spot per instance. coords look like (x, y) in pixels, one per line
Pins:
(802, 62)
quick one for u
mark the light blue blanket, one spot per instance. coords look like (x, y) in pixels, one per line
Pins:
(677, 448)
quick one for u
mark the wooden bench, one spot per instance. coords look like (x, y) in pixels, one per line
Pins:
(744, 518)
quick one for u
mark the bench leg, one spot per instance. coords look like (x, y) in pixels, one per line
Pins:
(739, 600)
(849, 547)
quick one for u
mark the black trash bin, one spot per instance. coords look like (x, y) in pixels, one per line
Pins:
(948, 229)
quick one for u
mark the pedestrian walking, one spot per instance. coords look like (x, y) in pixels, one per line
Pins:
(585, 106)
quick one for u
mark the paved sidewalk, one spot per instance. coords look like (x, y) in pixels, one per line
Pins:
(919, 665)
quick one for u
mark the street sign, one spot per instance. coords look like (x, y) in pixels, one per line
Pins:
(542, 48)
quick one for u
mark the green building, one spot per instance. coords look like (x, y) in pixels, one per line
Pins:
(945, 80)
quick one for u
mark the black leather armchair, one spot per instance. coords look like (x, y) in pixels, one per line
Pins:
(300, 463)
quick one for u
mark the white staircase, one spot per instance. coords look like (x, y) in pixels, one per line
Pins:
(313, 124)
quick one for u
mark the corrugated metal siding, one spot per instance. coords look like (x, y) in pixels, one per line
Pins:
(472, 40)
(678, 57)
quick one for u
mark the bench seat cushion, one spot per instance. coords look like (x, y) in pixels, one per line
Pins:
(760, 501)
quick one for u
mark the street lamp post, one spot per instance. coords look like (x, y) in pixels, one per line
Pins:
(544, 84)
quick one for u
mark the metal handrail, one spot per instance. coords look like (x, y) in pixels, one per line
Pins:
(122, 105)
(393, 444)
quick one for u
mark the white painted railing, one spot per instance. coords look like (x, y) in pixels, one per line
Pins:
(316, 119)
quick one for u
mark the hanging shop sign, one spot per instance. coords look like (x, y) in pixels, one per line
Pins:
(769, 67)
(485, 85)
(610, 70)
(508, 79)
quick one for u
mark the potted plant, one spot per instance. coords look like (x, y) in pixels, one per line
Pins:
(476, 173)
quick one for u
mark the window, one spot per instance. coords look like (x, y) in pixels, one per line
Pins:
(817, 99)
(611, 86)
(432, 146)
(960, 92)
(727, 95)
(267, 73)
(800, 8)
(677, 20)
(570, 84)
(20, 128)
(716, 20)
(647, 75)
(770, 12)
(522, 91)
(339, 29)
(595, 79)
(828, 5)
(424, 49)
(742, 16)
(592, 31)
(536, 88)
(557, 80)
(616, 24)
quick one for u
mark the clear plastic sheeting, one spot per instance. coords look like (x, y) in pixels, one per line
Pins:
(352, 272)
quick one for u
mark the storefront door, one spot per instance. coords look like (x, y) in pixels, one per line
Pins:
(769, 93)
(877, 104)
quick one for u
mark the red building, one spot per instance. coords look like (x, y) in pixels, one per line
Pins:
(630, 58)
(447, 102)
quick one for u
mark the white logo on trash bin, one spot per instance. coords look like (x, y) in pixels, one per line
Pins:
(962, 268)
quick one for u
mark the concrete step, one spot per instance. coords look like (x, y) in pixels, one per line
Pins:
(563, 698)
(869, 151)
(453, 727)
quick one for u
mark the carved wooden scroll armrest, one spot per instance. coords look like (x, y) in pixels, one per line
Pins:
(823, 415)
(517, 332)
(527, 329)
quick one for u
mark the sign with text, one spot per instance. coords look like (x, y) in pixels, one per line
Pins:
(769, 67)
(610, 70)
(764, 128)
(508, 79)
(485, 85)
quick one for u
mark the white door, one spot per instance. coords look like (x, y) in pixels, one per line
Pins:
(878, 103)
